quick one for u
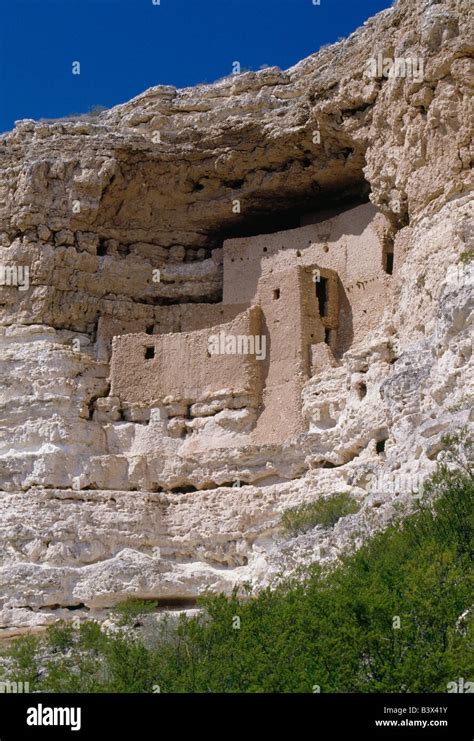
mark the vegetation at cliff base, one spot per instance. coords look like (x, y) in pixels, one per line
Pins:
(324, 512)
(395, 617)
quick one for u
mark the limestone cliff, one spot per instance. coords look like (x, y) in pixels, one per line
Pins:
(92, 207)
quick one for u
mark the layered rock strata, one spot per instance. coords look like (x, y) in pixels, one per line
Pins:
(94, 207)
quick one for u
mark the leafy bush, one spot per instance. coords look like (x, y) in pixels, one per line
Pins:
(466, 257)
(60, 636)
(23, 654)
(325, 512)
(130, 610)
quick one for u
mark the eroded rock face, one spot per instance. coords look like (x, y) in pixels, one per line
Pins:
(90, 511)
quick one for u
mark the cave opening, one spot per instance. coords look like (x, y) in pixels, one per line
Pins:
(309, 207)
(185, 489)
(380, 446)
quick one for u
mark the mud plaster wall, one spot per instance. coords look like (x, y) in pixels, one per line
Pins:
(286, 313)
(201, 316)
(165, 319)
(351, 244)
(278, 273)
(182, 367)
(289, 307)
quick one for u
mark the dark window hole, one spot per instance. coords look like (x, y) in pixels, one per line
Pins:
(389, 263)
(102, 248)
(388, 255)
(322, 295)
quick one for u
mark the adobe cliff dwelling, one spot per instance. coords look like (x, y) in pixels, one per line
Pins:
(233, 372)
(177, 373)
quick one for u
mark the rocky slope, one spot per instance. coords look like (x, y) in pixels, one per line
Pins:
(93, 206)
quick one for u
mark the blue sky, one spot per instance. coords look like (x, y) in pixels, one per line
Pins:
(126, 46)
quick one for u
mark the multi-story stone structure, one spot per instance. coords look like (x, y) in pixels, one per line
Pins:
(293, 303)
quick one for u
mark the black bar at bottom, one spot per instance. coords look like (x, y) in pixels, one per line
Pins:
(391, 716)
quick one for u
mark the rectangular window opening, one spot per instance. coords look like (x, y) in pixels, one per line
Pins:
(149, 352)
(389, 263)
(322, 295)
(101, 248)
(276, 294)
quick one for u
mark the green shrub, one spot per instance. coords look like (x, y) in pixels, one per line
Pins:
(23, 654)
(131, 609)
(60, 637)
(466, 257)
(90, 636)
(325, 512)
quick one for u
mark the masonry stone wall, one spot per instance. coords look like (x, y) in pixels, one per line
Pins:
(311, 292)
(200, 316)
(290, 315)
(164, 320)
(182, 368)
(350, 244)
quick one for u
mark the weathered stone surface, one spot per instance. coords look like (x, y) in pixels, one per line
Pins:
(97, 502)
